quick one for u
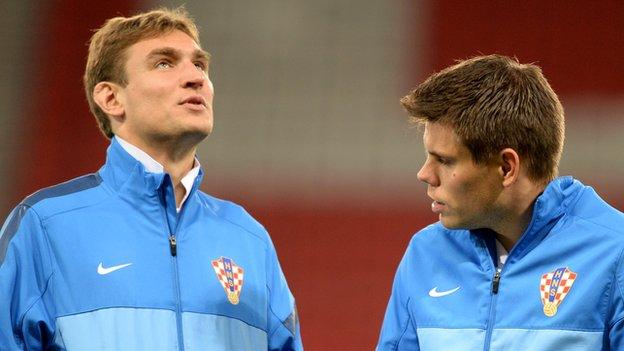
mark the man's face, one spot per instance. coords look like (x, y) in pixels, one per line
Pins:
(169, 94)
(464, 194)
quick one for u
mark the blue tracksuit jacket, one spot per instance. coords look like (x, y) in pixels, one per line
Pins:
(104, 262)
(562, 287)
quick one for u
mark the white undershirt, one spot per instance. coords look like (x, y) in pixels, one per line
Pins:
(153, 166)
(502, 255)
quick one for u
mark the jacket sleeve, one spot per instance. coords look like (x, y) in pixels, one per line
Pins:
(398, 331)
(283, 321)
(24, 275)
(616, 320)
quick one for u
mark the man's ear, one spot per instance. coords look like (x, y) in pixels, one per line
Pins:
(509, 167)
(108, 97)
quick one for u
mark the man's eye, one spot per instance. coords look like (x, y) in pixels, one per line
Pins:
(163, 64)
(200, 66)
(443, 161)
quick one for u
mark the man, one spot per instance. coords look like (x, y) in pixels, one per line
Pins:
(135, 257)
(519, 260)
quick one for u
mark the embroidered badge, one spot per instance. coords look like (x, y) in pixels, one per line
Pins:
(230, 276)
(554, 286)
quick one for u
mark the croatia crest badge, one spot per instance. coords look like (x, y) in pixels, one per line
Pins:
(554, 287)
(230, 276)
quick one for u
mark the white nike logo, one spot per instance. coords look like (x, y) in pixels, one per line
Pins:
(102, 270)
(435, 293)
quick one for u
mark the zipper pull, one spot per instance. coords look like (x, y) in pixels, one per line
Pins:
(172, 245)
(495, 282)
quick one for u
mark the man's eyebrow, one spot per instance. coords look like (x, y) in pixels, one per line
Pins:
(170, 52)
(202, 55)
(175, 53)
(437, 154)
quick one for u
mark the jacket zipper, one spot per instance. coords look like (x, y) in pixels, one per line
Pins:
(495, 282)
(497, 277)
(176, 282)
(173, 250)
(492, 316)
(173, 245)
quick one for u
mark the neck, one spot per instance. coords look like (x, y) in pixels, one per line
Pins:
(518, 212)
(177, 168)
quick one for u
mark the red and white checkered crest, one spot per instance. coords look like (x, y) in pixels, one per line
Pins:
(554, 287)
(230, 276)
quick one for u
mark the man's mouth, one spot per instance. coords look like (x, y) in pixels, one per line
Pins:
(196, 102)
(437, 206)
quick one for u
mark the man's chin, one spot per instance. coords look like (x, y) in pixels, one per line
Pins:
(196, 135)
(188, 137)
(197, 130)
(451, 223)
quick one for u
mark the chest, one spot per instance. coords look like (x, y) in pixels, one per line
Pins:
(557, 284)
(206, 267)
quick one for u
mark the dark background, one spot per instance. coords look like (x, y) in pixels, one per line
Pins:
(309, 135)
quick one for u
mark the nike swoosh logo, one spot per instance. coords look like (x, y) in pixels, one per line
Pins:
(435, 293)
(103, 270)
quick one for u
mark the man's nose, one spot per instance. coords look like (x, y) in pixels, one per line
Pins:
(426, 175)
(194, 77)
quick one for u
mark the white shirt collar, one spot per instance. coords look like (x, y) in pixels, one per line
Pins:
(154, 166)
(187, 181)
(146, 160)
(502, 255)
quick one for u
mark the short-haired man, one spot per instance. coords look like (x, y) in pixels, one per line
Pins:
(520, 260)
(135, 257)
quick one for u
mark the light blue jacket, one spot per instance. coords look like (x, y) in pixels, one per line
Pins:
(562, 287)
(104, 262)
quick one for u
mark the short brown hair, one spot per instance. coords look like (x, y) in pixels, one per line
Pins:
(107, 49)
(494, 102)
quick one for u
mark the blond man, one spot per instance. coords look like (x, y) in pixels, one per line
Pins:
(520, 259)
(135, 256)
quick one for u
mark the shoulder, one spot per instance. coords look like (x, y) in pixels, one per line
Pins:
(235, 214)
(435, 242)
(35, 208)
(591, 208)
(75, 193)
(434, 233)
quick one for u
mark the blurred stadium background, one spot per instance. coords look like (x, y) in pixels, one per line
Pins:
(309, 134)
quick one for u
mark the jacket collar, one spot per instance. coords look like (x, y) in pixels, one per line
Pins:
(121, 170)
(556, 200)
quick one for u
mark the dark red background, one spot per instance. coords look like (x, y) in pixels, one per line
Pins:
(339, 259)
